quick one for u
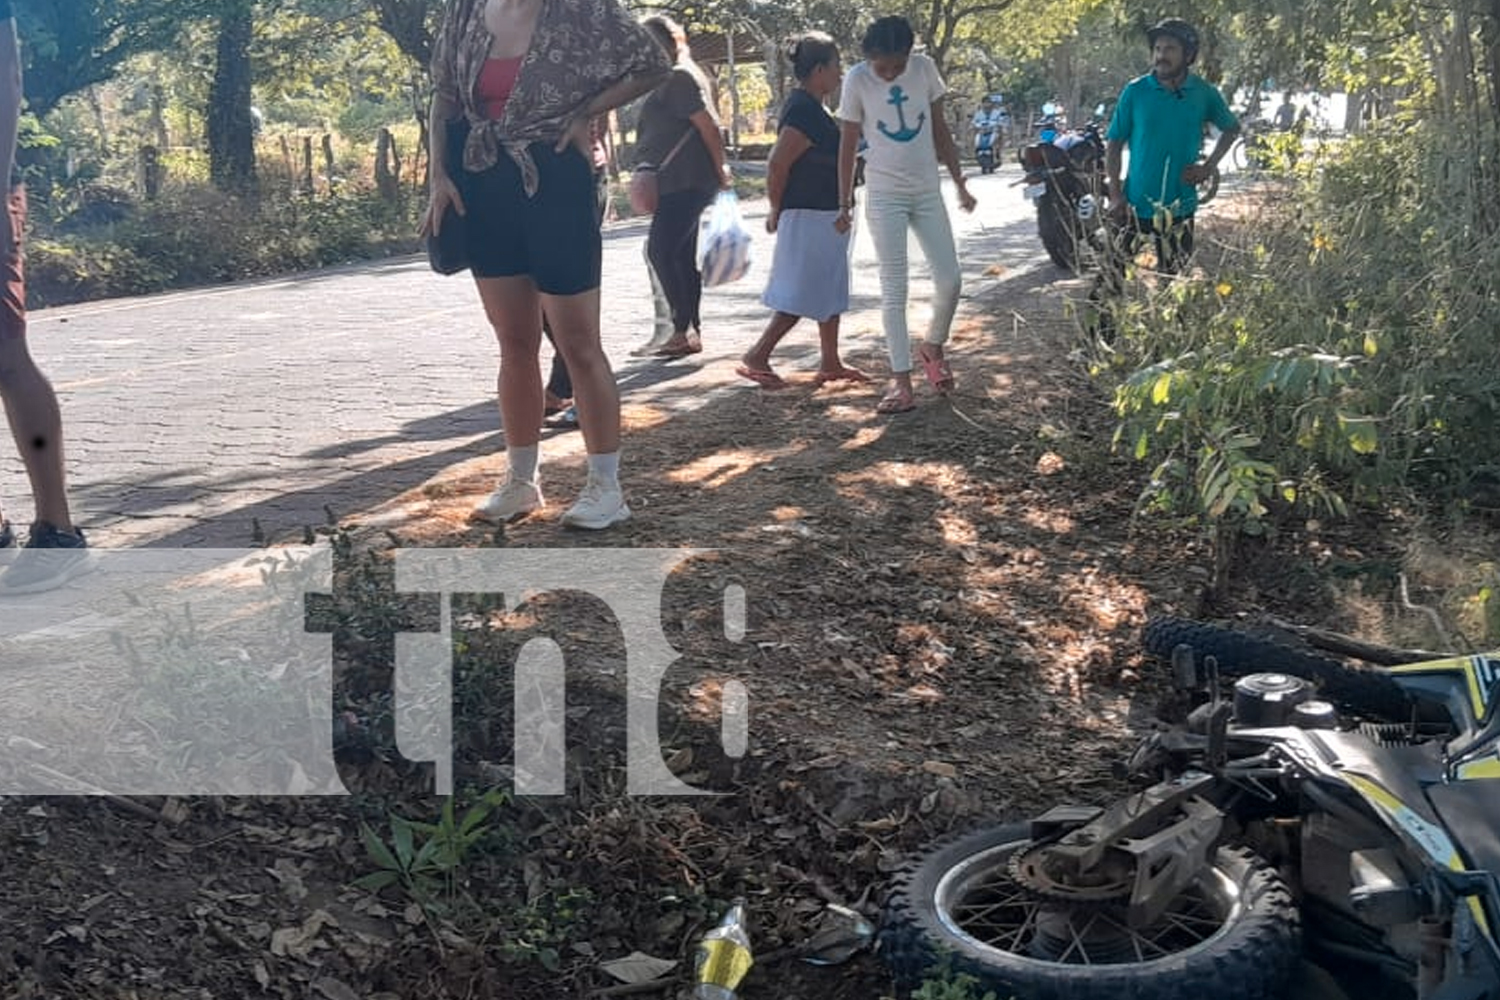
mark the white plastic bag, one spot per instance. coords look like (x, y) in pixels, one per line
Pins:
(725, 242)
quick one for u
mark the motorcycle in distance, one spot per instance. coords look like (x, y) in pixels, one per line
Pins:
(990, 124)
(1065, 179)
(1315, 818)
(986, 138)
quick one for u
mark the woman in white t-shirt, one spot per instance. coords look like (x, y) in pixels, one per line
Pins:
(895, 100)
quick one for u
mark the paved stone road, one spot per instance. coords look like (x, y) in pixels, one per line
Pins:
(190, 415)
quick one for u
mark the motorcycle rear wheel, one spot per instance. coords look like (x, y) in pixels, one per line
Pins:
(1209, 189)
(1239, 153)
(1057, 236)
(1364, 691)
(1233, 935)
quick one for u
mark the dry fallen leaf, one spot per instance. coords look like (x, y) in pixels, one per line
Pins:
(332, 989)
(638, 967)
(298, 942)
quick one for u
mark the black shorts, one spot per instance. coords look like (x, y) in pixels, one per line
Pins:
(553, 236)
(12, 271)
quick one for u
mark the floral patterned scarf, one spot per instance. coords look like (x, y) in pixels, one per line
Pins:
(578, 49)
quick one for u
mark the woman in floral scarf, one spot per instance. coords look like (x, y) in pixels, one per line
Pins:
(527, 76)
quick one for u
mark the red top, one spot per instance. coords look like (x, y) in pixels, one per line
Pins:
(496, 81)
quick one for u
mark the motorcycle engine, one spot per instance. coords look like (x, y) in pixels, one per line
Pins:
(1265, 700)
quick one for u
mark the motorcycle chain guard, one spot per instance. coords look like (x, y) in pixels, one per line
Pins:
(1166, 833)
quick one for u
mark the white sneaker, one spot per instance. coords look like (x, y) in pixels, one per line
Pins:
(599, 506)
(513, 499)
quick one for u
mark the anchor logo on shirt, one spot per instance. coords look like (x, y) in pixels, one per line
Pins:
(905, 133)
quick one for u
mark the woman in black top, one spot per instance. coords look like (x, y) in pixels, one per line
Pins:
(810, 269)
(680, 111)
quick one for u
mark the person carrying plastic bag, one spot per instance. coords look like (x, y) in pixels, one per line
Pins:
(726, 242)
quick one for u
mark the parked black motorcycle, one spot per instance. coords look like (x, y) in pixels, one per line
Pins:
(1065, 179)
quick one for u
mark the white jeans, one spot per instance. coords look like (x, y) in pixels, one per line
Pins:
(890, 216)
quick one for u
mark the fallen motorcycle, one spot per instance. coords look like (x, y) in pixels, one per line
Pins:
(1064, 178)
(1309, 811)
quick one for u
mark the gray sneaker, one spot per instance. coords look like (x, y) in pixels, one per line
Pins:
(599, 506)
(50, 559)
(512, 500)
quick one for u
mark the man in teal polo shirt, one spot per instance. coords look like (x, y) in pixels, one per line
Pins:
(1161, 117)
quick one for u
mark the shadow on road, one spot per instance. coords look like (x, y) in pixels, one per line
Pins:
(708, 406)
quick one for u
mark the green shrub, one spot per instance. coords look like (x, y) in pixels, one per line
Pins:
(942, 982)
(195, 235)
(1337, 348)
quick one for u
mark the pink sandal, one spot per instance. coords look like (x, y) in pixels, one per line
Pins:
(939, 374)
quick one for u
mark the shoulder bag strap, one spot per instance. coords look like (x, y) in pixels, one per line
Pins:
(677, 148)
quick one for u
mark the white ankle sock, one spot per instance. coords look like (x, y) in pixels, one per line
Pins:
(523, 462)
(605, 468)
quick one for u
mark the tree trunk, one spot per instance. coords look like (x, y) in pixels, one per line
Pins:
(1489, 34)
(387, 167)
(96, 105)
(307, 160)
(1066, 78)
(776, 74)
(148, 178)
(287, 166)
(231, 137)
(328, 160)
(734, 95)
(159, 116)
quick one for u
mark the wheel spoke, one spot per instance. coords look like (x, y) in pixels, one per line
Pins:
(1077, 934)
(983, 913)
(1011, 918)
(1194, 924)
(1138, 941)
(1020, 938)
(1135, 945)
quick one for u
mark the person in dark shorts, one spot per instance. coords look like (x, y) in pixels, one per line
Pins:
(558, 402)
(55, 550)
(529, 75)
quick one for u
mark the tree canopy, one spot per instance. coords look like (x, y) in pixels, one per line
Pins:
(68, 45)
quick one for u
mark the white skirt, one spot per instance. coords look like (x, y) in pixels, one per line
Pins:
(810, 266)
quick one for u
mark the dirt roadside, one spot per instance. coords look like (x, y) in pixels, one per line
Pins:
(942, 611)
